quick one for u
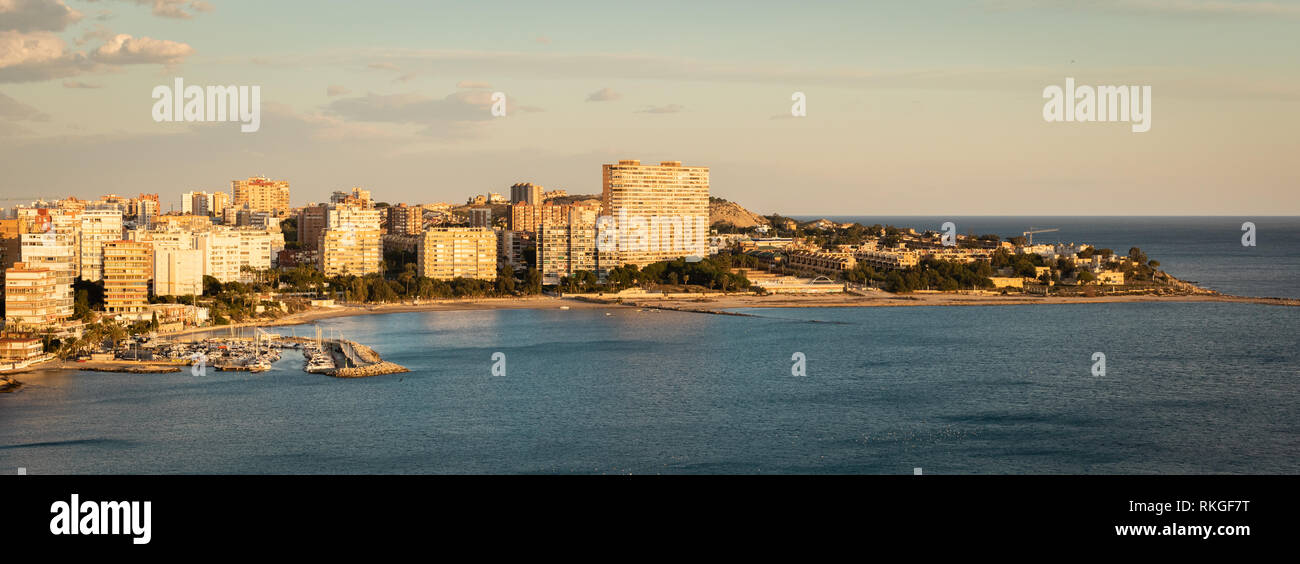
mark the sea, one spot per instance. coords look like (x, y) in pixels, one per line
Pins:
(1117, 388)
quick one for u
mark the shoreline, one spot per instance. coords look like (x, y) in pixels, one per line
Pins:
(726, 301)
(713, 304)
(720, 303)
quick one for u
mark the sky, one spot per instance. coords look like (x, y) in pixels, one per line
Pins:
(912, 108)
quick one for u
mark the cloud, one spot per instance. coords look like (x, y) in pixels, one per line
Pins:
(542, 39)
(80, 84)
(336, 90)
(668, 109)
(415, 108)
(457, 115)
(177, 9)
(472, 84)
(383, 66)
(28, 57)
(123, 49)
(604, 95)
(38, 56)
(36, 15)
(99, 32)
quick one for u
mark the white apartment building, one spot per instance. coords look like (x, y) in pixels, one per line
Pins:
(221, 251)
(351, 241)
(458, 252)
(658, 212)
(177, 272)
(197, 203)
(98, 226)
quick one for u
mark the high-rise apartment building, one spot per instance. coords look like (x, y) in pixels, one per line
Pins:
(526, 193)
(98, 226)
(221, 251)
(219, 201)
(564, 249)
(128, 267)
(659, 212)
(405, 220)
(177, 272)
(480, 217)
(261, 194)
(311, 223)
(198, 203)
(357, 197)
(11, 249)
(531, 218)
(513, 246)
(352, 242)
(147, 208)
(457, 252)
(33, 300)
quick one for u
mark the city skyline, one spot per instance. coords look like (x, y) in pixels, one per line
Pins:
(921, 109)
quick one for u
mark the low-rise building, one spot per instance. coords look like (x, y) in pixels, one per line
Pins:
(821, 261)
(20, 349)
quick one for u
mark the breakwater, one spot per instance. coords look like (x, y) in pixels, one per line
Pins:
(362, 361)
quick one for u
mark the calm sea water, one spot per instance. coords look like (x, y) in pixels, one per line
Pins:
(1206, 250)
(1189, 388)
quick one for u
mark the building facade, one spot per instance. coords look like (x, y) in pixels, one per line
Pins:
(261, 194)
(352, 241)
(444, 253)
(656, 212)
(177, 272)
(128, 267)
(34, 300)
(98, 226)
(526, 193)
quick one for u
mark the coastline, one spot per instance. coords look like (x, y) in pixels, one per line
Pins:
(717, 304)
(712, 303)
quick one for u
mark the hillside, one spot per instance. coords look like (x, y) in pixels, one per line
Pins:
(723, 211)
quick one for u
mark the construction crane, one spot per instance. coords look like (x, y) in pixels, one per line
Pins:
(1032, 230)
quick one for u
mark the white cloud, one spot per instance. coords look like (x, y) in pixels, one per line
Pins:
(123, 49)
(27, 57)
(36, 15)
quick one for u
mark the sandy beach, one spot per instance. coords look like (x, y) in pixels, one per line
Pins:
(716, 303)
